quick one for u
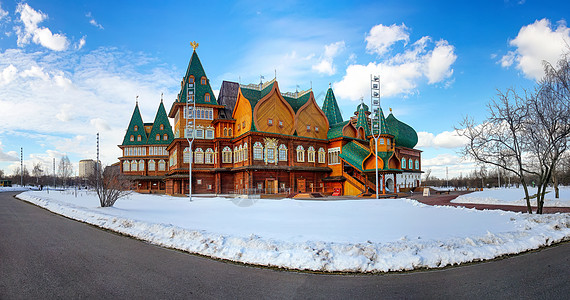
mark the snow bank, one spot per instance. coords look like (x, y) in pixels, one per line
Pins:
(13, 189)
(347, 236)
(515, 197)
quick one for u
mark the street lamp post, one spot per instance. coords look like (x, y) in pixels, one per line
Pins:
(190, 129)
(375, 107)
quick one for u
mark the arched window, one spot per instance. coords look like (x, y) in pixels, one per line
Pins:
(240, 151)
(158, 137)
(203, 81)
(199, 156)
(244, 151)
(207, 97)
(282, 152)
(300, 153)
(257, 151)
(209, 158)
(132, 138)
(403, 163)
(186, 155)
(161, 126)
(311, 154)
(417, 165)
(191, 79)
(138, 138)
(230, 132)
(388, 141)
(151, 165)
(126, 166)
(162, 165)
(141, 165)
(227, 155)
(236, 154)
(226, 131)
(165, 137)
(136, 128)
(322, 155)
(133, 165)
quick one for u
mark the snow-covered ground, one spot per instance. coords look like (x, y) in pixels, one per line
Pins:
(13, 189)
(515, 196)
(344, 235)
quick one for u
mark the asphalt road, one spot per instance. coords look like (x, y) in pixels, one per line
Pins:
(43, 256)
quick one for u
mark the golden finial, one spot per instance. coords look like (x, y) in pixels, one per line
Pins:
(390, 110)
(194, 45)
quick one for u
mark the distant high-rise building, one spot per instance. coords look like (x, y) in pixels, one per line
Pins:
(87, 167)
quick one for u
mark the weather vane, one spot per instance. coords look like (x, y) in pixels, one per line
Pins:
(194, 45)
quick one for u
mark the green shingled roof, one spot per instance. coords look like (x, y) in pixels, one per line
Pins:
(330, 108)
(336, 130)
(136, 120)
(160, 119)
(354, 154)
(362, 120)
(195, 69)
(404, 134)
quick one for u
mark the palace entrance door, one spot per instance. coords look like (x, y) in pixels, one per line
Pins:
(271, 186)
(301, 187)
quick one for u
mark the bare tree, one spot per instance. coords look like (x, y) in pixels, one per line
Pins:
(37, 172)
(64, 169)
(525, 135)
(428, 174)
(549, 132)
(1, 173)
(501, 138)
(110, 186)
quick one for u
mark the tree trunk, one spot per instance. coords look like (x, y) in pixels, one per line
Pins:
(556, 190)
(526, 195)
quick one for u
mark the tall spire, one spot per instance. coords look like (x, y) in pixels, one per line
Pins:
(160, 121)
(195, 72)
(362, 120)
(330, 108)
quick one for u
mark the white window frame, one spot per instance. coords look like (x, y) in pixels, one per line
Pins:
(300, 154)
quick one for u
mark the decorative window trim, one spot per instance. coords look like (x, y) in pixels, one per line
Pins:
(136, 128)
(165, 137)
(199, 156)
(282, 152)
(151, 165)
(203, 80)
(186, 155)
(311, 154)
(316, 128)
(270, 122)
(322, 156)
(132, 138)
(257, 151)
(227, 155)
(280, 123)
(161, 126)
(210, 134)
(126, 166)
(191, 79)
(300, 154)
(403, 163)
(162, 165)
(334, 158)
(308, 128)
(381, 140)
(207, 97)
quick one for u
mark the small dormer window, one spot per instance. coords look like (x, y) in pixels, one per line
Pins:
(158, 137)
(165, 137)
(191, 79)
(132, 139)
(243, 124)
(238, 127)
(136, 128)
(308, 127)
(388, 140)
(161, 127)
(280, 123)
(207, 97)
(316, 128)
(138, 138)
(203, 80)
(270, 122)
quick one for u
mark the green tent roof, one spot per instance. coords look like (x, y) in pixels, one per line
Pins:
(336, 130)
(195, 69)
(136, 121)
(330, 108)
(362, 120)
(160, 119)
(404, 134)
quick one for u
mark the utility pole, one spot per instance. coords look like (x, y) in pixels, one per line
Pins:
(54, 172)
(447, 176)
(21, 166)
(97, 163)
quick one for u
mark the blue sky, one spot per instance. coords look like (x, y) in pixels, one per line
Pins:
(70, 69)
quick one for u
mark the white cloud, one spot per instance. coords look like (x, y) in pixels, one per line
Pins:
(3, 13)
(30, 18)
(62, 106)
(381, 38)
(81, 43)
(92, 21)
(535, 43)
(440, 61)
(448, 164)
(401, 73)
(8, 156)
(325, 65)
(8, 74)
(446, 139)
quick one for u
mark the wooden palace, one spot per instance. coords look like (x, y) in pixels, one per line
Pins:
(255, 139)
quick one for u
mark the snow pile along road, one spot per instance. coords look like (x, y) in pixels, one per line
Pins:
(347, 236)
(515, 197)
